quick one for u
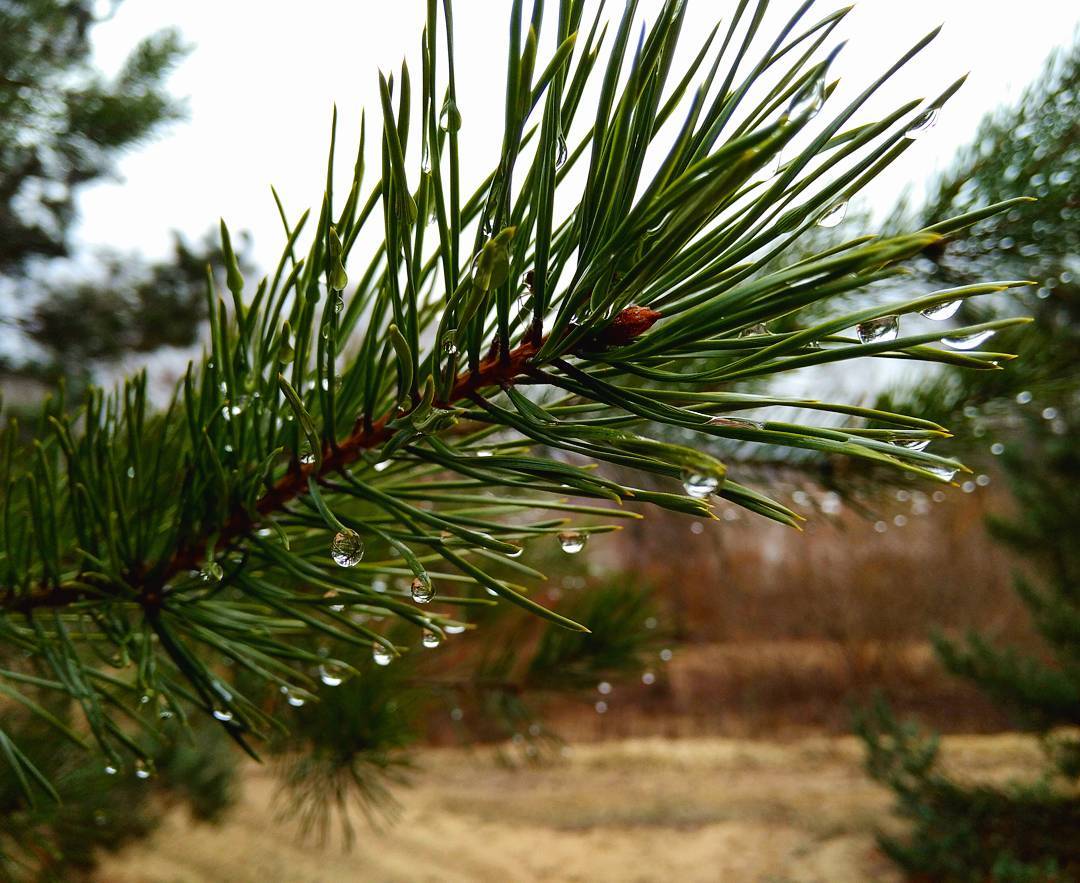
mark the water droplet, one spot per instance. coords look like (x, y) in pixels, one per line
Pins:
(425, 159)
(131, 472)
(211, 572)
(561, 151)
(381, 655)
(648, 678)
(879, 330)
(226, 413)
(307, 458)
(381, 465)
(339, 304)
(922, 124)
(516, 553)
(968, 341)
(700, 486)
(347, 549)
(982, 480)
(222, 715)
(1023, 397)
(945, 473)
(941, 312)
(572, 541)
(968, 487)
(456, 714)
(110, 770)
(833, 215)
(142, 771)
(422, 590)
(1049, 413)
(332, 593)
(651, 622)
(912, 444)
(601, 707)
(449, 116)
(808, 100)
(736, 423)
(454, 628)
(768, 171)
(665, 655)
(449, 345)
(603, 688)
(331, 674)
(997, 449)
(430, 639)
(754, 330)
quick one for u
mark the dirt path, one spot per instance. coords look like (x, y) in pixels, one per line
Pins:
(638, 810)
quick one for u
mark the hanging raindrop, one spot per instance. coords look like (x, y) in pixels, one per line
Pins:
(381, 465)
(454, 628)
(449, 116)
(945, 473)
(332, 593)
(808, 100)
(141, 770)
(699, 486)
(430, 639)
(347, 549)
(339, 303)
(307, 458)
(912, 444)
(561, 151)
(223, 715)
(968, 341)
(879, 330)
(833, 215)
(211, 572)
(736, 423)
(449, 345)
(572, 541)
(110, 770)
(331, 674)
(381, 655)
(941, 312)
(422, 590)
(922, 124)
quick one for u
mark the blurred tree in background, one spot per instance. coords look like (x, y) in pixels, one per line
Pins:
(63, 125)
(1029, 417)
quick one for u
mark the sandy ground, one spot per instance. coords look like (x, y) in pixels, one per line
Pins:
(633, 810)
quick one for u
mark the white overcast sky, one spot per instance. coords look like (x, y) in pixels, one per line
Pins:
(262, 78)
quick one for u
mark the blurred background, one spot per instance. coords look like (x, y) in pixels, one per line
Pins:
(754, 703)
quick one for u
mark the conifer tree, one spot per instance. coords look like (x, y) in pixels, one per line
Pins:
(1029, 419)
(376, 439)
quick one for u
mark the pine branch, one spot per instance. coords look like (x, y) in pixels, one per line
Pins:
(578, 334)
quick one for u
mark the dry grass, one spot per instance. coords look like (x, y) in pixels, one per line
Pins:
(636, 810)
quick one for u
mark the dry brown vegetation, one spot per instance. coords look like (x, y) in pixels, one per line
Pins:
(636, 810)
